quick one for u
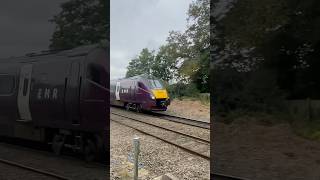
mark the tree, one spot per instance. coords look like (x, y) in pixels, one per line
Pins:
(81, 22)
(267, 50)
(192, 46)
(164, 65)
(141, 64)
(185, 56)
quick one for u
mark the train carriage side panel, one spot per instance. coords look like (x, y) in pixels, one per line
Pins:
(123, 90)
(143, 95)
(115, 98)
(95, 93)
(126, 91)
(8, 98)
(50, 82)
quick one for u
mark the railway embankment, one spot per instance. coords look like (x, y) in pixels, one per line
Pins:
(189, 108)
(254, 151)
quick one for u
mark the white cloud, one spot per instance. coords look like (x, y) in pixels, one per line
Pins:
(117, 72)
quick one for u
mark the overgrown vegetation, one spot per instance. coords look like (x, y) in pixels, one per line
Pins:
(307, 129)
(184, 58)
(264, 53)
(80, 22)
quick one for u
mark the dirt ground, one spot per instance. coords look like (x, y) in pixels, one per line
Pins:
(264, 152)
(193, 109)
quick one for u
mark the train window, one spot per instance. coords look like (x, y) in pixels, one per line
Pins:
(140, 85)
(155, 84)
(6, 84)
(94, 74)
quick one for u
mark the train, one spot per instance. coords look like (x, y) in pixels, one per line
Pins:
(140, 93)
(59, 98)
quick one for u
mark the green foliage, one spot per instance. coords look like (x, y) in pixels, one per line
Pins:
(307, 129)
(180, 90)
(264, 52)
(164, 64)
(192, 46)
(205, 98)
(81, 22)
(253, 91)
(141, 64)
(250, 22)
(185, 57)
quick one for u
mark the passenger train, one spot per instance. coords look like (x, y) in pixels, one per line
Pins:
(143, 92)
(58, 97)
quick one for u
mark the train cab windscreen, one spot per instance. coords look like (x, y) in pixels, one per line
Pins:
(154, 84)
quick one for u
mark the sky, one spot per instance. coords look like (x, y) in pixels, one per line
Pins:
(138, 24)
(24, 25)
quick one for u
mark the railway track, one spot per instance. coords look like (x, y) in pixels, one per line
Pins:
(219, 176)
(167, 129)
(177, 119)
(45, 153)
(182, 120)
(194, 145)
(35, 170)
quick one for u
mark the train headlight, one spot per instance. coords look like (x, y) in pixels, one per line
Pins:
(152, 96)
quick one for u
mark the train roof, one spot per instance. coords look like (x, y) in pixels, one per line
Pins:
(143, 76)
(78, 51)
(138, 77)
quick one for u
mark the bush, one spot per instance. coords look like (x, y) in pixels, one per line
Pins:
(180, 90)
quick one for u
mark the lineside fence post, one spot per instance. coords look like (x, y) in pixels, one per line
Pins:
(136, 144)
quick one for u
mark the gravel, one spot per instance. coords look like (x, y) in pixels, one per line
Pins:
(156, 158)
(191, 130)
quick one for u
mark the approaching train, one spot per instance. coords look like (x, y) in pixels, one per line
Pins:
(57, 97)
(143, 92)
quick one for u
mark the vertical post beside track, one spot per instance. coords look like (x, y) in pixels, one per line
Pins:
(136, 144)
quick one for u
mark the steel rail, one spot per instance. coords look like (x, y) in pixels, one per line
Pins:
(219, 176)
(182, 120)
(177, 119)
(166, 141)
(39, 171)
(177, 132)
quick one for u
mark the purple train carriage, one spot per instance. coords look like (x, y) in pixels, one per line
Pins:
(57, 97)
(143, 92)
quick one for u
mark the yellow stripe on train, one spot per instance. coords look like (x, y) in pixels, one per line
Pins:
(160, 93)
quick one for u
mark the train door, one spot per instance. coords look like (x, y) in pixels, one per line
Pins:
(73, 94)
(24, 92)
(118, 91)
(134, 91)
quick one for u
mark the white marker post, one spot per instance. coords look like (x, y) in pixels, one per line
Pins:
(136, 144)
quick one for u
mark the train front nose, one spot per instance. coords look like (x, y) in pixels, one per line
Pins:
(160, 94)
(161, 98)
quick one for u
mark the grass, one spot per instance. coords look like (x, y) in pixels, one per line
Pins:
(261, 118)
(307, 129)
(204, 99)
